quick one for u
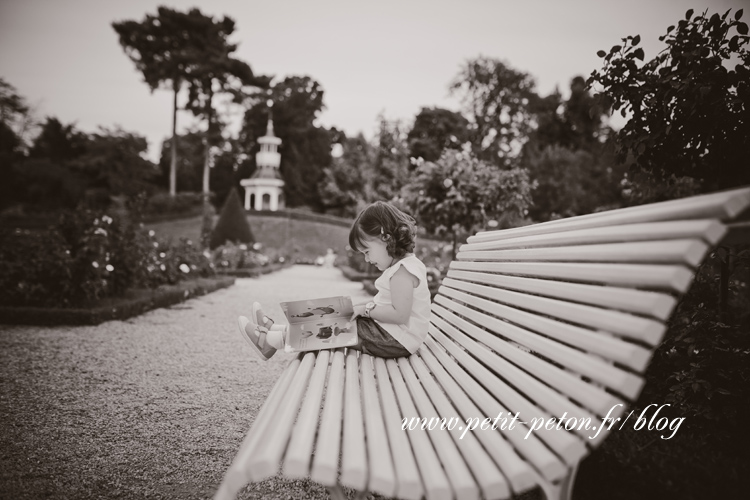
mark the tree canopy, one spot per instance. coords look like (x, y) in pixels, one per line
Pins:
(689, 105)
(496, 98)
(435, 130)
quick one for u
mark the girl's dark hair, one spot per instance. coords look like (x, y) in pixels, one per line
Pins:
(381, 220)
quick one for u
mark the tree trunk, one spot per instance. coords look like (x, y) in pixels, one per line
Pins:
(207, 225)
(207, 152)
(173, 163)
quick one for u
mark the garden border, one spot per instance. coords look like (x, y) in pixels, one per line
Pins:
(136, 302)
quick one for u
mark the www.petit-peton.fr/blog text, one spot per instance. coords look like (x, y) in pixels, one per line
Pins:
(507, 421)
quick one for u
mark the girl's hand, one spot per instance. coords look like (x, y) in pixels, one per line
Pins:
(358, 311)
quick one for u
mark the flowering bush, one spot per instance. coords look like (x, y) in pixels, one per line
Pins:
(88, 256)
(230, 256)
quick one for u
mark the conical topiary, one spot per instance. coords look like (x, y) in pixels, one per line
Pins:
(232, 224)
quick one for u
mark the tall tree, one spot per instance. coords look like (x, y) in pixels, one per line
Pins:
(434, 130)
(162, 49)
(114, 162)
(496, 99)
(15, 121)
(215, 71)
(343, 189)
(58, 143)
(689, 105)
(390, 168)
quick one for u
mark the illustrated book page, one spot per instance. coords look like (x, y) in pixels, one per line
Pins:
(320, 324)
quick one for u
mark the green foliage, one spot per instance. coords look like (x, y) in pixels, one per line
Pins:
(114, 161)
(58, 143)
(175, 48)
(306, 147)
(497, 100)
(702, 369)
(460, 193)
(162, 204)
(690, 105)
(345, 184)
(45, 186)
(189, 166)
(30, 276)
(232, 224)
(88, 256)
(435, 130)
(571, 182)
(638, 188)
(232, 256)
(390, 167)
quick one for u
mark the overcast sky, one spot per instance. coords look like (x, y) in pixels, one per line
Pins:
(370, 57)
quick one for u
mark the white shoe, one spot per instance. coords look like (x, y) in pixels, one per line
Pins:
(255, 336)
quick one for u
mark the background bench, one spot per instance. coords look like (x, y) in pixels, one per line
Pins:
(559, 318)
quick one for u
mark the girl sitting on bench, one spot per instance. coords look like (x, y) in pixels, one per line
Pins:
(395, 323)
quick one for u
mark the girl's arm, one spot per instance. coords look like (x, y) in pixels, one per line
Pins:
(402, 298)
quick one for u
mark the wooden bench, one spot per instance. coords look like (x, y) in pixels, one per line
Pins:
(553, 319)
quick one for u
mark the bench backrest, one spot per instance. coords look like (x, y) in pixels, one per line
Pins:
(562, 318)
(553, 320)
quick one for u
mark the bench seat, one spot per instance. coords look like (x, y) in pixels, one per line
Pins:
(539, 322)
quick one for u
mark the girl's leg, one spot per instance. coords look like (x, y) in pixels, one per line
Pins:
(261, 333)
(376, 341)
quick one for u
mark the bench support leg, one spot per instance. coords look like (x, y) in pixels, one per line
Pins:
(563, 490)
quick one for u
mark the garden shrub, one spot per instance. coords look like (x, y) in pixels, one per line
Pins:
(231, 256)
(90, 255)
(180, 203)
(35, 268)
(232, 224)
(701, 369)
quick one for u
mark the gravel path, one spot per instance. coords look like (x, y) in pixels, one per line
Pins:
(155, 406)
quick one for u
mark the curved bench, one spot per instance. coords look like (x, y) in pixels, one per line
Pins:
(543, 323)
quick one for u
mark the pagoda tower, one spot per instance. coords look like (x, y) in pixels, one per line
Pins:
(264, 189)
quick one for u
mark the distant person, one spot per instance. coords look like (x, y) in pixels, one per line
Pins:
(395, 323)
(330, 258)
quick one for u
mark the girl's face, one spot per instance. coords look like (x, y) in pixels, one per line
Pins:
(376, 253)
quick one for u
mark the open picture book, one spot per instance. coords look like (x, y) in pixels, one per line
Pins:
(320, 324)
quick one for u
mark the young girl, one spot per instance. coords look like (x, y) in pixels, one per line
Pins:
(395, 323)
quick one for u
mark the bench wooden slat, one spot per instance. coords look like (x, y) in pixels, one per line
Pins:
(490, 479)
(598, 370)
(710, 231)
(622, 324)
(722, 206)
(567, 446)
(409, 485)
(353, 456)
(687, 252)
(532, 448)
(515, 469)
(458, 473)
(267, 456)
(435, 482)
(300, 450)
(325, 468)
(545, 397)
(382, 475)
(239, 473)
(658, 276)
(570, 384)
(657, 305)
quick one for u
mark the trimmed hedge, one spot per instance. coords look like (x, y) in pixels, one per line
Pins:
(134, 303)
